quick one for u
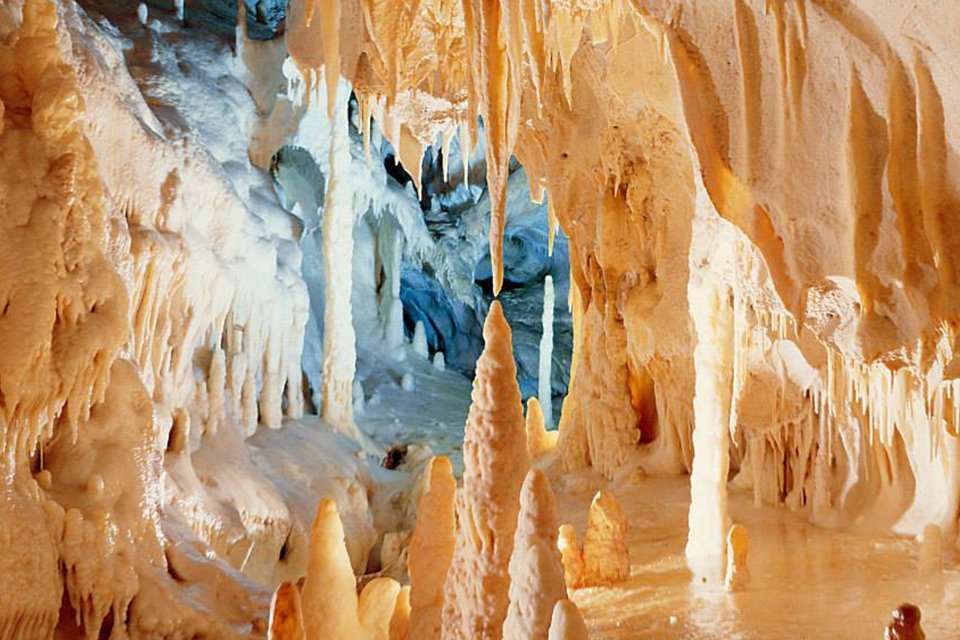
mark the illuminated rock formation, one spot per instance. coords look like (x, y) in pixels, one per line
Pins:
(431, 549)
(536, 571)
(495, 462)
(571, 555)
(330, 607)
(606, 559)
(539, 441)
(377, 604)
(738, 573)
(286, 614)
(566, 623)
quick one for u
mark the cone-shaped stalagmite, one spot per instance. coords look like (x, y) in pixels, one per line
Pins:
(376, 607)
(286, 616)
(431, 549)
(400, 622)
(571, 553)
(495, 461)
(330, 591)
(538, 442)
(567, 623)
(536, 572)
(605, 555)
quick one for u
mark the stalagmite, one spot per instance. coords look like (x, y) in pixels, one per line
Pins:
(545, 375)
(606, 559)
(571, 554)
(400, 621)
(566, 623)
(738, 573)
(376, 606)
(420, 340)
(431, 549)
(286, 614)
(536, 571)
(494, 464)
(439, 362)
(339, 339)
(330, 607)
(708, 520)
(538, 440)
(931, 544)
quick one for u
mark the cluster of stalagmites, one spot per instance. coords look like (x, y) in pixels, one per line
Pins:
(484, 560)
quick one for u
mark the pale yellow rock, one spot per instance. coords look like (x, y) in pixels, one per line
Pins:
(536, 570)
(376, 606)
(566, 622)
(738, 547)
(606, 559)
(431, 549)
(400, 621)
(571, 554)
(495, 462)
(330, 607)
(286, 614)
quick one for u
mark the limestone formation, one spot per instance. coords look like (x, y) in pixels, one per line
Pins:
(377, 604)
(571, 554)
(495, 462)
(330, 607)
(536, 570)
(566, 623)
(400, 621)
(738, 573)
(431, 549)
(606, 559)
(538, 441)
(286, 614)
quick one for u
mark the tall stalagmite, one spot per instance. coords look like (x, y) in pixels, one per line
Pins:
(339, 339)
(431, 549)
(545, 375)
(536, 572)
(494, 464)
(330, 607)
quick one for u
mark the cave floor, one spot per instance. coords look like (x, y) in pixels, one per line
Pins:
(806, 582)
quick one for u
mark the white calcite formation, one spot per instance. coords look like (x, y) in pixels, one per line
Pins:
(536, 571)
(606, 559)
(495, 462)
(545, 375)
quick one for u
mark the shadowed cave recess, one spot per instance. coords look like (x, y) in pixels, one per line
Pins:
(479, 319)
